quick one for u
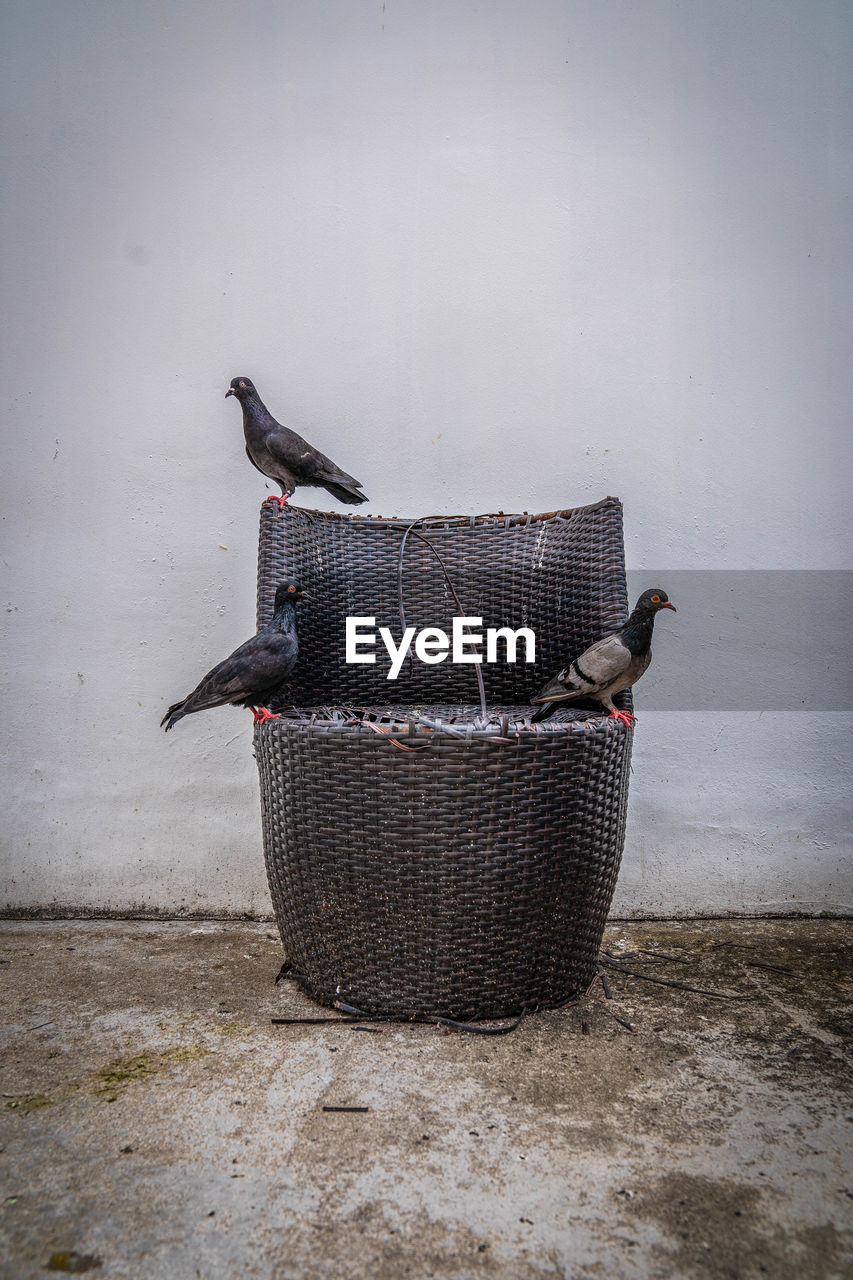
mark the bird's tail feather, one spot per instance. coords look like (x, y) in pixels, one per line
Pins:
(543, 712)
(173, 715)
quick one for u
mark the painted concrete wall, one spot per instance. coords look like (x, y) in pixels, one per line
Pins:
(498, 254)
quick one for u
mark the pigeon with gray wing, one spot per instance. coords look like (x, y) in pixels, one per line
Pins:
(284, 456)
(608, 666)
(254, 671)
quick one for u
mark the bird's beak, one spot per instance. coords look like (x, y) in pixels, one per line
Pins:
(229, 392)
(669, 605)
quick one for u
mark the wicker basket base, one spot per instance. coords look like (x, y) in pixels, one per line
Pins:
(464, 872)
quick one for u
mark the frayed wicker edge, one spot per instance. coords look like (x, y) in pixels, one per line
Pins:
(503, 728)
(501, 519)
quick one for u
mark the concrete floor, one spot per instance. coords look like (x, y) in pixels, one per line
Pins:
(155, 1124)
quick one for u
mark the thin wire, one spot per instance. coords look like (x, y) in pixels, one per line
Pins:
(411, 529)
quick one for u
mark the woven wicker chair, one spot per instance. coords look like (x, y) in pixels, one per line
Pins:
(425, 859)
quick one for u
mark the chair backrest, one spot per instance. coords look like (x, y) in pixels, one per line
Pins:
(561, 574)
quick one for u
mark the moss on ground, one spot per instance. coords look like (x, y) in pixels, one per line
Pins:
(25, 1103)
(113, 1078)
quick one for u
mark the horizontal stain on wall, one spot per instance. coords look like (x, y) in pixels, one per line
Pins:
(750, 640)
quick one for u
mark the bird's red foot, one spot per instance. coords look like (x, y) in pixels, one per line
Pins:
(262, 714)
(280, 500)
(624, 716)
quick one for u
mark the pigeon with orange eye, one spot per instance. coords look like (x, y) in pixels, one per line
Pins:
(255, 671)
(284, 456)
(610, 665)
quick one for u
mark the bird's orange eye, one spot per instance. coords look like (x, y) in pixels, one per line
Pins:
(291, 588)
(242, 384)
(655, 599)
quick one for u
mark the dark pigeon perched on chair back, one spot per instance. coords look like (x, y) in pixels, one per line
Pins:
(284, 456)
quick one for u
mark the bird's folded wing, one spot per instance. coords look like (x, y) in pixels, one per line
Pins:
(227, 682)
(596, 669)
(601, 664)
(315, 464)
(302, 458)
(322, 468)
(556, 688)
(256, 666)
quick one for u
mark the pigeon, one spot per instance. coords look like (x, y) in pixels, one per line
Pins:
(610, 665)
(254, 671)
(284, 456)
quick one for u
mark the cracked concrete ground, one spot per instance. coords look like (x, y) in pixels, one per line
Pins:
(156, 1125)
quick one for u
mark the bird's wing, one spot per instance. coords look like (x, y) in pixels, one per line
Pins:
(320, 468)
(602, 664)
(303, 459)
(251, 671)
(598, 668)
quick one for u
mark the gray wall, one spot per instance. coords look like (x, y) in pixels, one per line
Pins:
(487, 255)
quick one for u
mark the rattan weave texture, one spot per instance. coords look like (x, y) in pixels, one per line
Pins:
(467, 870)
(563, 575)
